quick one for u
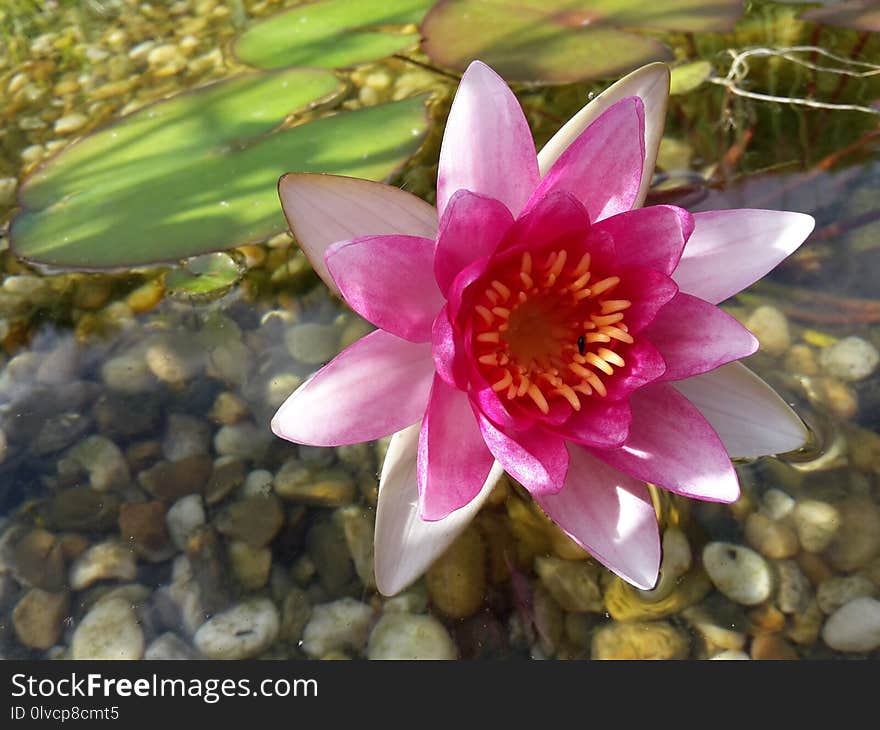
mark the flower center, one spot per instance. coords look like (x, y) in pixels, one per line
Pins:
(545, 330)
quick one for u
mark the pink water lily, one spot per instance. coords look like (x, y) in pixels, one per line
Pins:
(541, 322)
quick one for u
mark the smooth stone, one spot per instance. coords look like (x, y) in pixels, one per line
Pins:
(773, 540)
(295, 614)
(110, 630)
(656, 640)
(38, 617)
(412, 600)
(776, 504)
(143, 524)
(183, 518)
(254, 520)
(128, 373)
(336, 626)
(854, 627)
(127, 416)
(738, 572)
(574, 585)
(625, 603)
(185, 436)
(174, 358)
(858, 540)
(676, 561)
(730, 654)
(257, 483)
(60, 432)
(770, 326)
(312, 343)
(772, 647)
(243, 440)
(716, 624)
(228, 408)
(851, 358)
(835, 592)
(299, 482)
(456, 580)
(34, 557)
(408, 636)
(240, 632)
(103, 461)
(358, 527)
(816, 524)
(209, 568)
(83, 508)
(250, 565)
(110, 560)
(168, 647)
(327, 549)
(804, 627)
(70, 123)
(794, 592)
(226, 476)
(170, 480)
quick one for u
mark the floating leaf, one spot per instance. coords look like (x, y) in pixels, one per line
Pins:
(689, 76)
(331, 33)
(198, 173)
(560, 41)
(204, 276)
(855, 14)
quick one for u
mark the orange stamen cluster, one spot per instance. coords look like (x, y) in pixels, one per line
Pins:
(547, 330)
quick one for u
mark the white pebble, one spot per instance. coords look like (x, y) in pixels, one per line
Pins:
(770, 326)
(182, 519)
(816, 524)
(738, 572)
(110, 630)
(105, 561)
(405, 636)
(851, 358)
(70, 123)
(731, 654)
(240, 632)
(342, 624)
(854, 627)
(312, 343)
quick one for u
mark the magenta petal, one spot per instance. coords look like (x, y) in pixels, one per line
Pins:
(671, 445)
(731, 249)
(378, 385)
(602, 168)
(643, 364)
(537, 459)
(487, 146)
(649, 291)
(471, 228)
(600, 423)
(453, 459)
(652, 237)
(448, 357)
(694, 337)
(312, 204)
(610, 515)
(389, 281)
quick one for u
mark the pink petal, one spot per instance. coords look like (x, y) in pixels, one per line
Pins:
(602, 168)
(471, 228)
(651, 84)
(610, 515)
(694, 337)
(448, 357)
(537, 459)
(551, 220)
(652, 237)
(643, 364)
(322, 209)
(453, 459)
(749, 416)
(671, 445)
(376, 386)
(405, 544)
(487, 146)
(389, 281)
(649, 291)
(600, 423)
(731, 249)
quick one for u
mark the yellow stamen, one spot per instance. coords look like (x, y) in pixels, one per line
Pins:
(610, 356)
(600, 321)
(599, 363)
(616, 333)
(504, 382)
(569, 395)
(609, 306)
(526, 265)
(488, 359)
(600, 287)
(502, 312)
(492, 337)
(485, 313)
(501, 289)
(538, 397)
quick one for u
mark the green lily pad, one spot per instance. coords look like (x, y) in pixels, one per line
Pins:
(198, 172)
(331, 33)
(206, 276)
(561, 41)
(854, 14)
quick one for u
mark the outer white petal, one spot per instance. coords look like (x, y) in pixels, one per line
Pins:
(749, 416)
(405, 544)
(651, 84)
(322, 209)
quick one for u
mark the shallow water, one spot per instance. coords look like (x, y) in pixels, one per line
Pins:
(142, 492)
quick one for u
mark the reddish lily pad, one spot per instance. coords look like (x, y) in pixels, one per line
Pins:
(198, 172)
(854, 14)
(331, 33)
(561, 41)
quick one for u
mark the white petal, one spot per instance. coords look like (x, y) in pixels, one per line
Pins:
(750, 417)
(322, 209)
(406, 545)
(651, 84)
(731, 249)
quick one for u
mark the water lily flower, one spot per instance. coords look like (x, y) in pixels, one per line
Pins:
(541, 322)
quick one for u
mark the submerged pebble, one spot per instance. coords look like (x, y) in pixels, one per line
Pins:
(851, 358)
(854, 627)
(336, 626)
(407, 636)
(38, 616)
(639, 640)
(240, 632)
(110, 630)
(738, 572)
